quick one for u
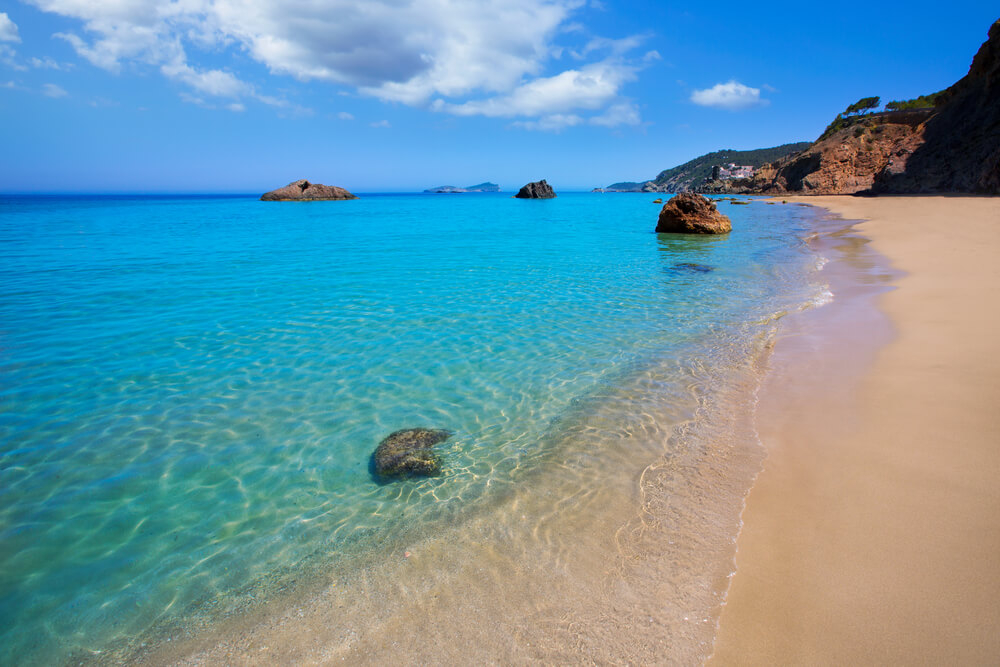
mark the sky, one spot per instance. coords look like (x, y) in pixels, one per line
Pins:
(244, 96)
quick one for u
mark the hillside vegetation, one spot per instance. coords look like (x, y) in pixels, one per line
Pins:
(693, 173)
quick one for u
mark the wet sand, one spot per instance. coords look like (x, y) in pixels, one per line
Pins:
(872, 536)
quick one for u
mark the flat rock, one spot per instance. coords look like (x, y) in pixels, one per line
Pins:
(690, 213)
(409, 453)
(305, 191)
(537, 190)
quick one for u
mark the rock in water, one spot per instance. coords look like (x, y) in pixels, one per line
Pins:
(690, 267)
(537, 190)
(305, 191)
(688, 213)
(409, 453)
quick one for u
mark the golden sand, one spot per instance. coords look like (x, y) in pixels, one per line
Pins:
(873, 534)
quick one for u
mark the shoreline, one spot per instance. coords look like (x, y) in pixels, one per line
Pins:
(589, 565)
(869, 534)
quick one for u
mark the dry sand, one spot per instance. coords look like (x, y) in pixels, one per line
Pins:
(873, 534)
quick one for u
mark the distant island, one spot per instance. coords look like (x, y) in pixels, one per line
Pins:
(452, 190)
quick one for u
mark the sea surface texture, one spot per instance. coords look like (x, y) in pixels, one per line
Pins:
(191, 389)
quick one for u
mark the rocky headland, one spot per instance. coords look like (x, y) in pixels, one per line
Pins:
(959, 145)
(939, 143)
(303, 190)
(690, 213)
(953, 146)
(537, 190)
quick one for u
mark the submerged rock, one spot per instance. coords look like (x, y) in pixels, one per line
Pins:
(537, 190)
(691, 267)
(409, 453)
(303, 190)
(689, 213)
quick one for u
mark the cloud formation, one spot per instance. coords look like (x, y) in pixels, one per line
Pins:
(52, 90)
(732, 95)
(8, 29)
(467, 57)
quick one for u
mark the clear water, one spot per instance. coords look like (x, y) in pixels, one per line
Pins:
(191, 387)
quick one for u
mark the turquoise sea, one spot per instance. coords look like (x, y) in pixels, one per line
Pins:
(191, 387)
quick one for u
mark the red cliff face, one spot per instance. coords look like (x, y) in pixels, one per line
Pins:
(849, 160)
(954, 147)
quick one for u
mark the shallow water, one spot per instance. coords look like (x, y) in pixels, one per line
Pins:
(191, 388)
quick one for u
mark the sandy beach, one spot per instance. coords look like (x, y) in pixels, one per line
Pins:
(872, 536)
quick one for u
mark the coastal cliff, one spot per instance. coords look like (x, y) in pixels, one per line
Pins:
(952, 147)
(845, 162)
(960, 148)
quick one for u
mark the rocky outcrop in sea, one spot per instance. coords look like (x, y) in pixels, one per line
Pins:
(303, 190)
(537, 190)
(689, 213)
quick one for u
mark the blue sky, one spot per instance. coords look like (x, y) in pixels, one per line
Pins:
(399, 95)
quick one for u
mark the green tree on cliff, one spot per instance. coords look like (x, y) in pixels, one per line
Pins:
(862, 105)
(847, 117)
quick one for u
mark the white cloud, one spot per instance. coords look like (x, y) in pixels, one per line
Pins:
(380, 123)
(616, 46)
(552, 123)
(732, 96)
(343, 115)
(52, 90)
(8, 29)
(49, 63)
(481, 57)
(624, 113)
(209, 82)
(7, 57)
(590, 87)
(194, 99)
(236, 106)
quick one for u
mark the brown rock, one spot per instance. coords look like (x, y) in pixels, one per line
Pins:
(305, 191)
(537, 190)
(409, 453)
(689, 213)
